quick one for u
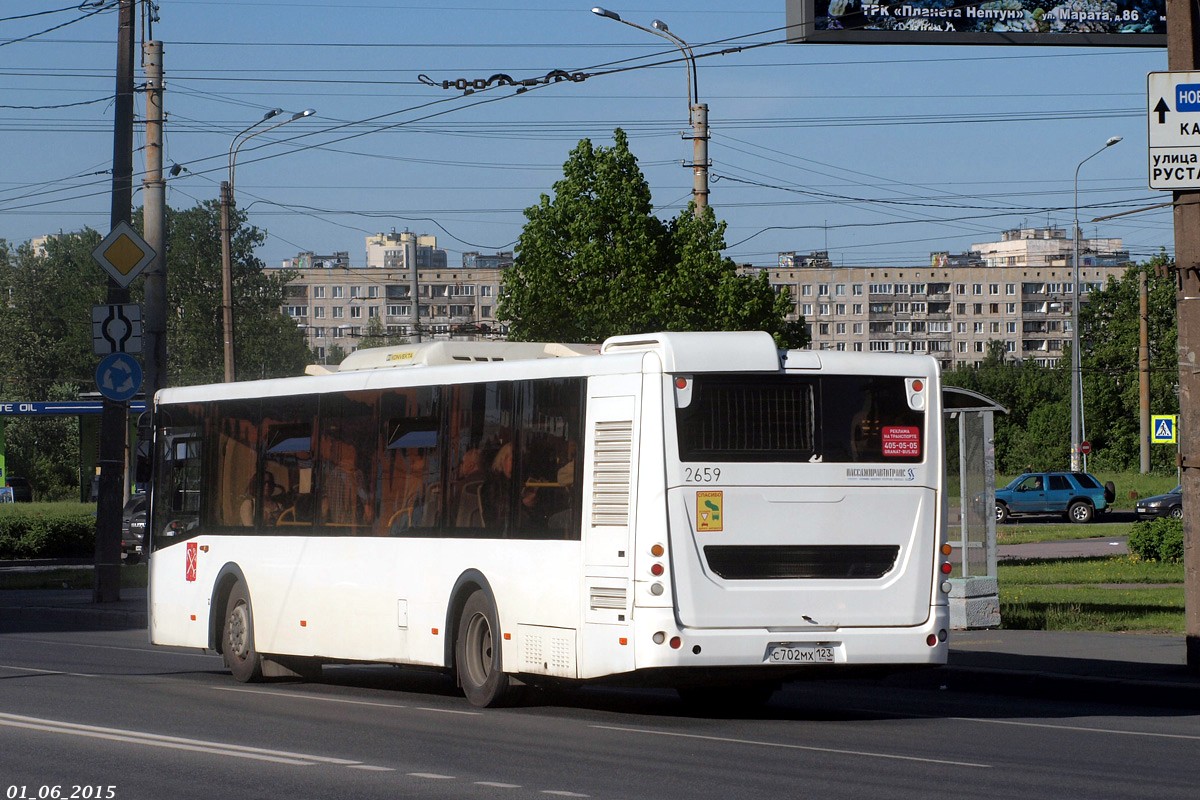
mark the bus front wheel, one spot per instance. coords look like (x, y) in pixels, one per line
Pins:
(237, 638)
(477, 657)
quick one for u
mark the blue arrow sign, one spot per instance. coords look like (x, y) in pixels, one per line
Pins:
(119, 376)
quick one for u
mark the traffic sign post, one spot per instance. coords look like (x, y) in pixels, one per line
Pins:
(1173, 105)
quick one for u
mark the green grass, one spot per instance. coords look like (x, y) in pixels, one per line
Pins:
(1092, 594)
(132, 577)
(1023, 531)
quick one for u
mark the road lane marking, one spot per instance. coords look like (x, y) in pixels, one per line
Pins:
(498, 785)
(433, 776)
(1080, 728)
(48, 671)
(783, 745)
(169, 742)
(300, 696)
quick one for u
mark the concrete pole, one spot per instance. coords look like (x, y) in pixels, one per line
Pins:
(700, 156)
(154, 220)
(1183, 55)
(1143, 373)
(227, 279)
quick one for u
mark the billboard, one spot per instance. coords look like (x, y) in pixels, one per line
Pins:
(1066, 23)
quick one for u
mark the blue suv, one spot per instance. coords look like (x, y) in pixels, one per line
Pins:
(1078, 495)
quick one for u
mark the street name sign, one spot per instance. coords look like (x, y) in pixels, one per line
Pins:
(1173, 117)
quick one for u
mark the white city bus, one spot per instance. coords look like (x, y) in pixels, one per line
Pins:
(697, 510)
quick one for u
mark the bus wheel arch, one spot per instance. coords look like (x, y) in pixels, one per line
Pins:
(229, 576)
(476, 638)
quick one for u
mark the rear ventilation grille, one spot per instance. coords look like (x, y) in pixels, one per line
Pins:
(781, 562)
(612, 457)
(608, 598)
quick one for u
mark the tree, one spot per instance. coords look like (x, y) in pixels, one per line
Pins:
(594, 261)
(47, 323)
(1109, 326)
(267, 343)
(47, 319)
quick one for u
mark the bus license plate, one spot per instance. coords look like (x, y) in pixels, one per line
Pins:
(800, 654)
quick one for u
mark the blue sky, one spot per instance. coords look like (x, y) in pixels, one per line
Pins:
(878, 154)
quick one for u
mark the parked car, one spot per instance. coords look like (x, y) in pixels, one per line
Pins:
(1162, 505)
(22, 491)
(1078, 495)
(133, 528)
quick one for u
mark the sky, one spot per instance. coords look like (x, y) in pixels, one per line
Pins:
(878, 154)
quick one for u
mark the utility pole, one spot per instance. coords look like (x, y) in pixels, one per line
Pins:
(1143, 373)
(154, 221)
(113, 420)
(1183, 49)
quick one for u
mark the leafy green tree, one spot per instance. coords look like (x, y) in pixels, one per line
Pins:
(1034, 434)
(47, 320)
(267, 342)
(1109, 325)
(593, 261)
(47, 323)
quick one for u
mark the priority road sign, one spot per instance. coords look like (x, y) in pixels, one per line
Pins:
(123, 254)
(1164, 428)
(1173, 117)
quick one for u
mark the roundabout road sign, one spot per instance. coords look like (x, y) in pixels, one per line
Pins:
(119, 376)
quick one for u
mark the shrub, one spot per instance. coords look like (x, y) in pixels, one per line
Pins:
(47, 531)
(1157, 539)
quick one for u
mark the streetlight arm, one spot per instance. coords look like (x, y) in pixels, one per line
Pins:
(236, 145)
(660, 30)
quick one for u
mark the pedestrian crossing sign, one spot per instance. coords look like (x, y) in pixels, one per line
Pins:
(1164, 428)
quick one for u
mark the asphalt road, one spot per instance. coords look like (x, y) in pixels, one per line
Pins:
(115, 717)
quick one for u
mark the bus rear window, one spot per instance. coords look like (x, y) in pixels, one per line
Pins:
(789, 418)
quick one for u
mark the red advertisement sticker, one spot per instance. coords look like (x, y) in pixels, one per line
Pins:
(189, 565)
(901, 441)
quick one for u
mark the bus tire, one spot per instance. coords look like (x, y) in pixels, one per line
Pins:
(237, 637)
(477, 656)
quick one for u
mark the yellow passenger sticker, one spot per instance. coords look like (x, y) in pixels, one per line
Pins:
(709, 509)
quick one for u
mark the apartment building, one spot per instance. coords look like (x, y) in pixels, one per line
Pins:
(334, 302)
(1017, 291)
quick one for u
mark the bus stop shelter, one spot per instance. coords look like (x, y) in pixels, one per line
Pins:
(971, 447)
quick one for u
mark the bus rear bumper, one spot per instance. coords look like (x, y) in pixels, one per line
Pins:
(921, 645)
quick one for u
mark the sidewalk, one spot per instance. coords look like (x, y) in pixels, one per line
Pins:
(1116, 667)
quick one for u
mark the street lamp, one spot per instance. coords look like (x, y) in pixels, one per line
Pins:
(1076, 377)
(697, 111)
(226, 233)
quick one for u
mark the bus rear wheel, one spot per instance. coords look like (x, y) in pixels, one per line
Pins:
(237, 638)
(477, 656)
